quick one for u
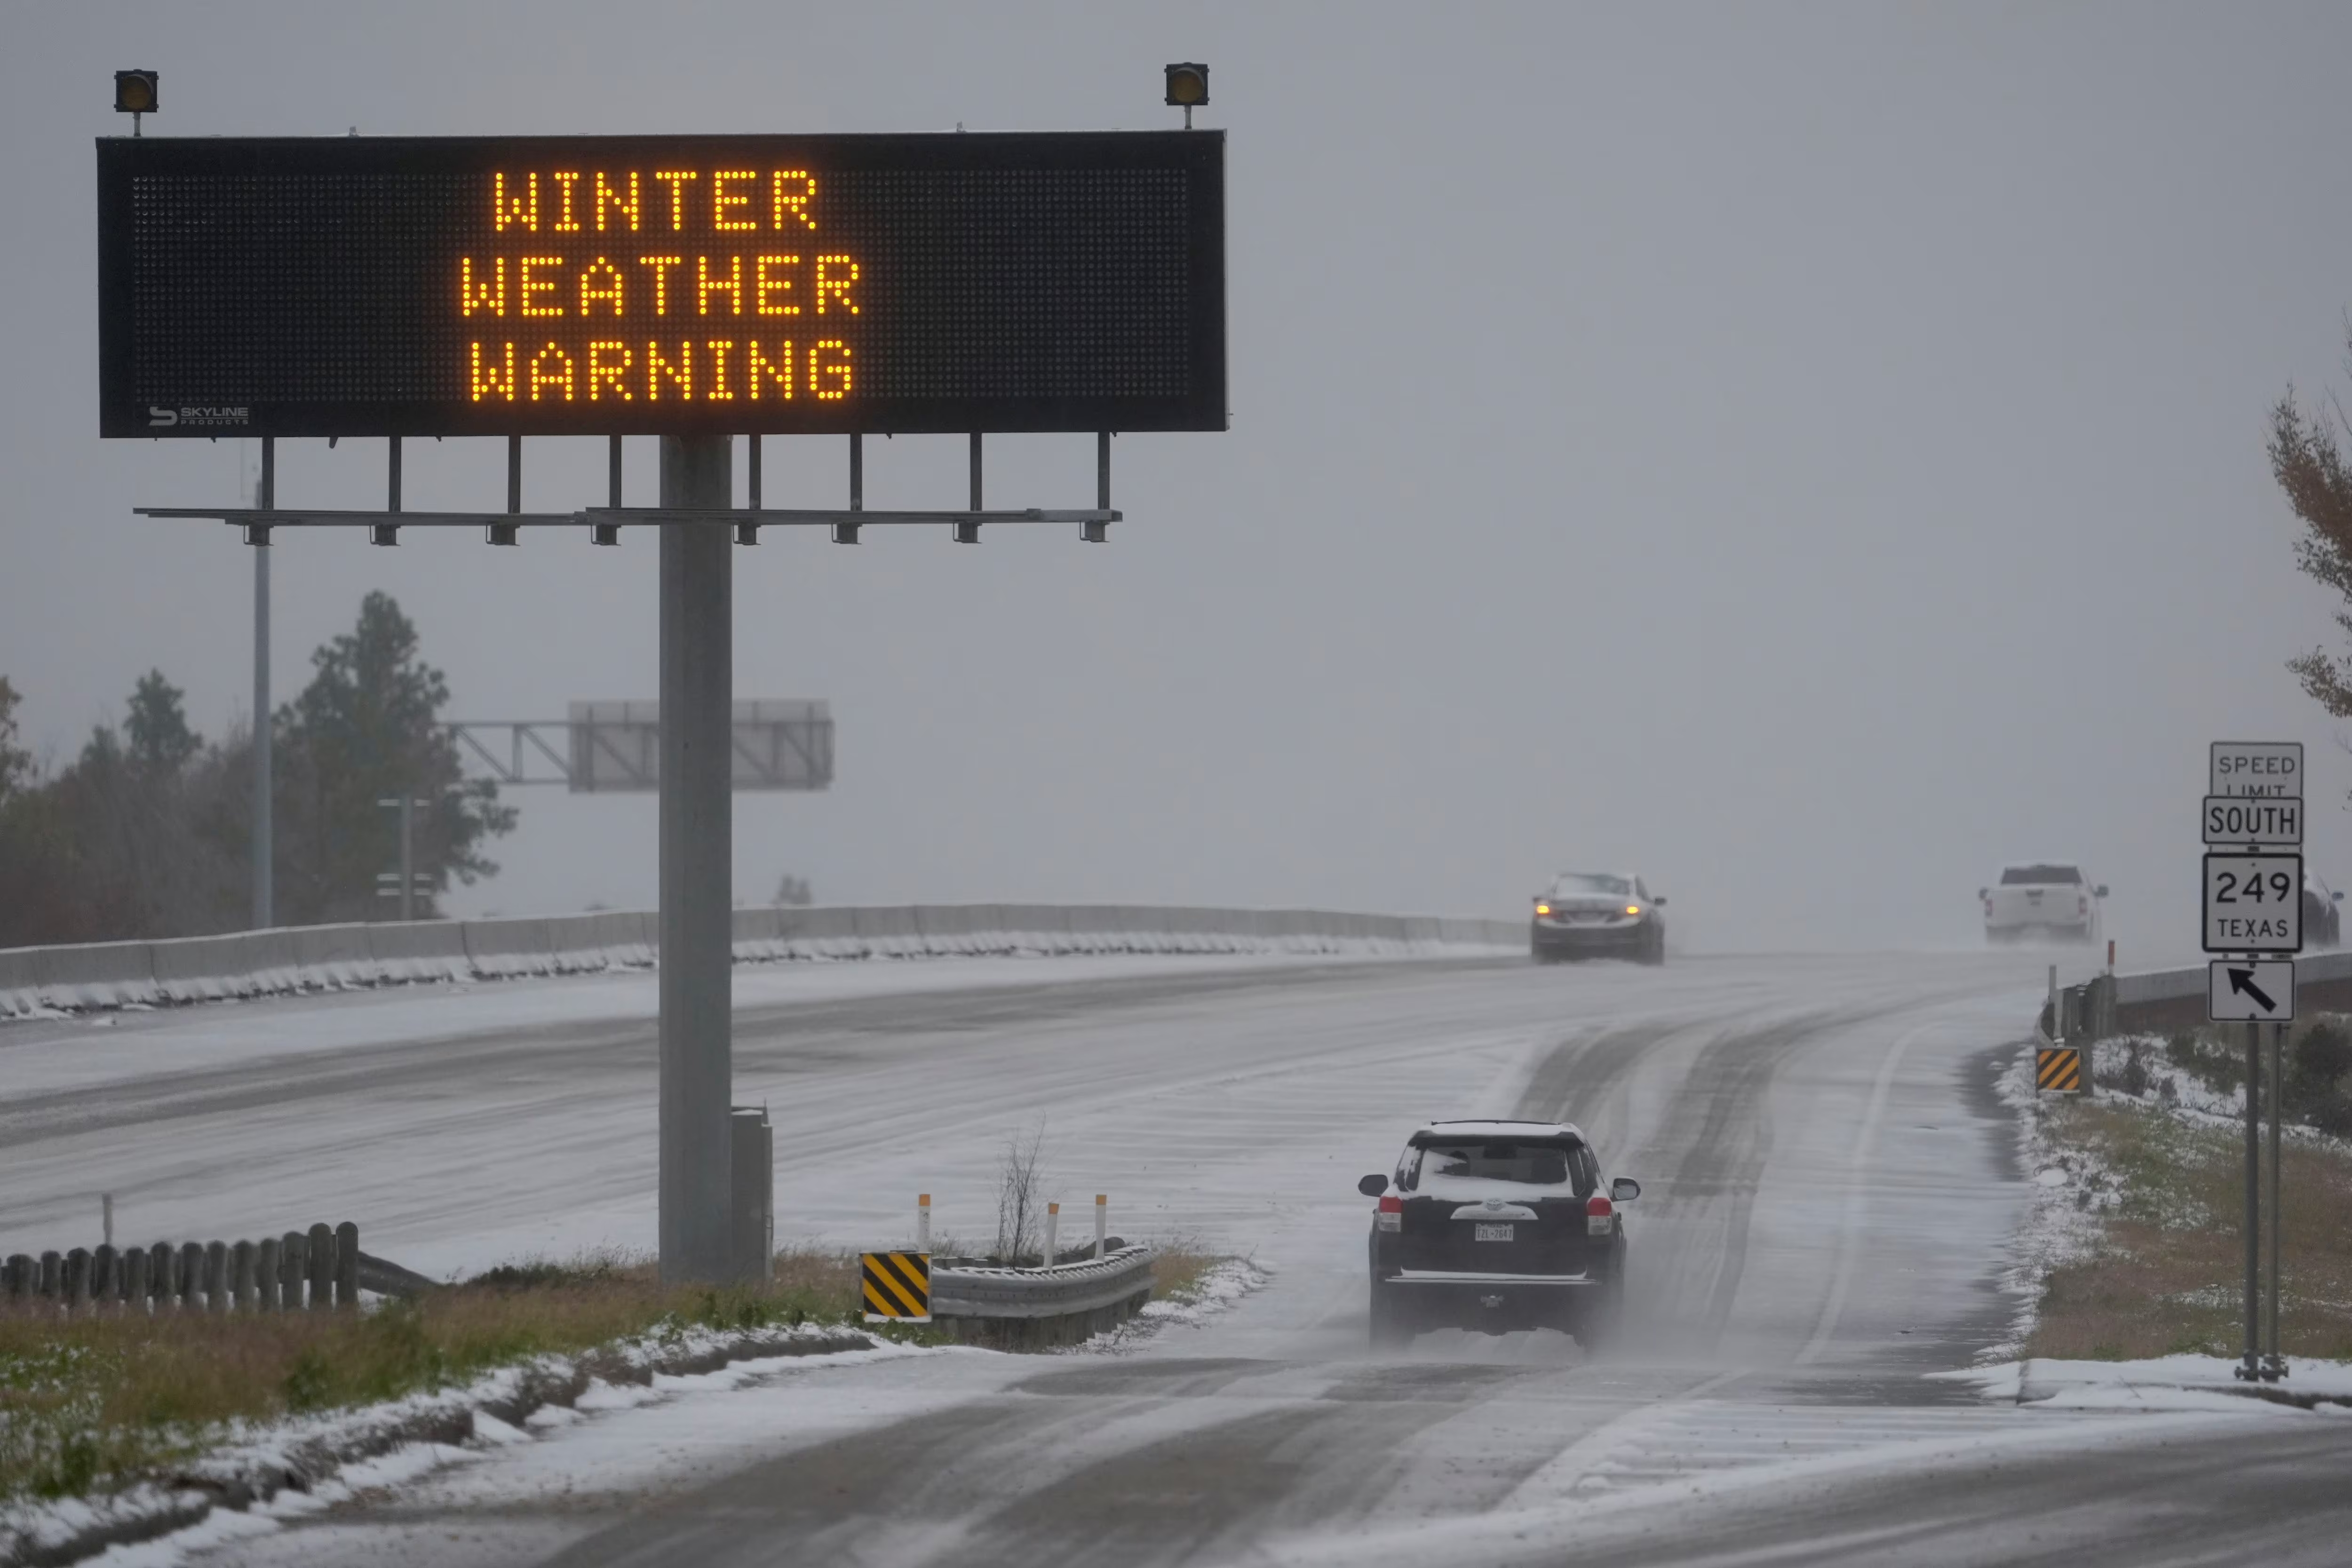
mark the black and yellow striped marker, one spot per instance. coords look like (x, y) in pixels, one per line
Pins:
(2058, 1068)
(897, 1287)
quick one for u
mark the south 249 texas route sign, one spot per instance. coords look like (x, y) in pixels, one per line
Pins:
(355, 286)
(2254, 903)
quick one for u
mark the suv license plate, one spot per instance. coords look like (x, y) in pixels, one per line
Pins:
(1493, 1232)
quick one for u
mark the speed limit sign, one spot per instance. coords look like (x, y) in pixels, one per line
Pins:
(2254, 903)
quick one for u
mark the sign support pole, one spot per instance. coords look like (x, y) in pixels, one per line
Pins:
(696, 955)
(2276, 1367)
(2252, 1367)
(264, 853)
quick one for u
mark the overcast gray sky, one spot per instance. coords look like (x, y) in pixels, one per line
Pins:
(1807, 453)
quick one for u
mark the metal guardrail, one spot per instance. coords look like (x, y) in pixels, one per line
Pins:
(314, 1270)
(1061, 1290)
(2161, 1000)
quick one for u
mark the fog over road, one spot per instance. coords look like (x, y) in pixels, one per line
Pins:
(1828, 1196)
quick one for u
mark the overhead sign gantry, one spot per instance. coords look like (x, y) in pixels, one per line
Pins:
(696, 289)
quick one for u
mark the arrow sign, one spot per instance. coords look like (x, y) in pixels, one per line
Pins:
(2242, 981)
(2262, 990)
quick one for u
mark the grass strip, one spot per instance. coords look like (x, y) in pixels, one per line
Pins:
(95, 1403)
(2167, 1276)
(1178, 1270)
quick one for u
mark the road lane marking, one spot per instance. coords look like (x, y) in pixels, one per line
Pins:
(1857, 1199)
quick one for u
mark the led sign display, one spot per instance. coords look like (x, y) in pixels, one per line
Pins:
(594, 285)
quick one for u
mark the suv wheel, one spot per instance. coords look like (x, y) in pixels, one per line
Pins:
(1599, 1318)
(1392, 1327)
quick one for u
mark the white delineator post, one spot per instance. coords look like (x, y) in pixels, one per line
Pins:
(922, 1222)
(1102, 1221)
(106, 1203)
(1053, 1232)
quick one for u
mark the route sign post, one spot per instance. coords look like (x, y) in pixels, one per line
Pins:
(2253, 911)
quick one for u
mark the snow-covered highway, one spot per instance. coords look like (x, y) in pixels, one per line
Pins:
(1828, 1200)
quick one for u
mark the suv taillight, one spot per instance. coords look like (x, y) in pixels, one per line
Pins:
(1600, 1217)
(2082, 904)
(1391, 1213)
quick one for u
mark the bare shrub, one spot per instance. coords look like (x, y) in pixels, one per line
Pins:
(1021, 1196)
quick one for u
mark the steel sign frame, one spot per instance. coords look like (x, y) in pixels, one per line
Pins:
(2260, 864)
(1002, 281)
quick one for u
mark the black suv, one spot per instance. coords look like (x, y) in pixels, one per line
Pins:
(1496, 1226)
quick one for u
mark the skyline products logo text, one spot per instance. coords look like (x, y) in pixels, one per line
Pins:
(217, 414)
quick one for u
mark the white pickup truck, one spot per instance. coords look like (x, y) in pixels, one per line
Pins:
(2049, 900)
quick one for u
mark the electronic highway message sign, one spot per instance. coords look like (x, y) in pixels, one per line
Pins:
(359, 286)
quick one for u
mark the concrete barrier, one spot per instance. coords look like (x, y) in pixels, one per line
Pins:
(101, 975)
(207, 968)
(757, 934)
(576, 944)
(335, 956)
(420, 950)
(819, 932)
(498, 950)
(888, 930)
(1035, 931)
(20, 980)
(625, 936)
(192, 969)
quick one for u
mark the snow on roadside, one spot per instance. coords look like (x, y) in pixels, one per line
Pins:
(1219, 1289)
(2157, 1383)
(2072, 1190)
(263, 1473)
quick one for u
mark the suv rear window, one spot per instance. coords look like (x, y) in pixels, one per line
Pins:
(2039, 875)
(1534, 1163)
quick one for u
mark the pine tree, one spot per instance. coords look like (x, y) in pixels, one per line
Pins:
(368, 727)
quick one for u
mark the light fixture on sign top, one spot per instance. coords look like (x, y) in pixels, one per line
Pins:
(134, 95)
(1188, 88)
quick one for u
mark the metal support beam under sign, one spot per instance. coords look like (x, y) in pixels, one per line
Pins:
(2259, 990)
